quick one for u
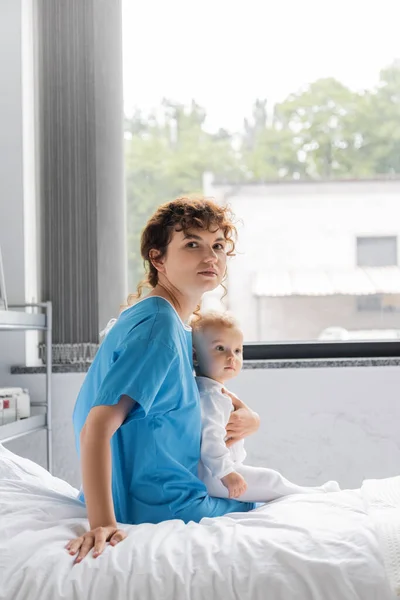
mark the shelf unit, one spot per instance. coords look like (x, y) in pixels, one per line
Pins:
(16, 318)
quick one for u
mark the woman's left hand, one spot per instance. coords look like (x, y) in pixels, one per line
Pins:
(242, 422)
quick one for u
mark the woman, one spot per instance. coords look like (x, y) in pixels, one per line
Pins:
(137, 417)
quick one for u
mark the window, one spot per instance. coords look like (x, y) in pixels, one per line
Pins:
(296, 140)
(377, 251)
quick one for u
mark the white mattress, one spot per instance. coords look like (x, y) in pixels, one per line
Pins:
(339, 546)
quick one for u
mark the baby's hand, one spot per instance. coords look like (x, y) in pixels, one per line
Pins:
(235, 483)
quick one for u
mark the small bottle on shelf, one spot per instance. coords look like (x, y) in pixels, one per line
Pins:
(8, 409)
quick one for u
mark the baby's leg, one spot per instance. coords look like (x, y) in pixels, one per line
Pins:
(264, 485)
(215, 487)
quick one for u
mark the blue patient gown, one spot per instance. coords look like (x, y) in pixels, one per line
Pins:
(147, 355)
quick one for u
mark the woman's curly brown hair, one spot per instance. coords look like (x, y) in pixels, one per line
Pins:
(181, 214)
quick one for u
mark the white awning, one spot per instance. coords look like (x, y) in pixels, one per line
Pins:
(352, 282)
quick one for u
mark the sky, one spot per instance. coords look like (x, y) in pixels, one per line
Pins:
(227, 53)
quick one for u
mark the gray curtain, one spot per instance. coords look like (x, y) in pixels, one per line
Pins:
(82, 200)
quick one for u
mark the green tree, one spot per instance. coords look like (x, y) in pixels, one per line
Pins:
(316, 119)
(329, 131)
(268, 148)
(381, 139)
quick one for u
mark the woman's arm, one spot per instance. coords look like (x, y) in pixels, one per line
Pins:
(101, 424)
(242, 422)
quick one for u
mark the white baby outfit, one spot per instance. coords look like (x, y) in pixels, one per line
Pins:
(217, 460)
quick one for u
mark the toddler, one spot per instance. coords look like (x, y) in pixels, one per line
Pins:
(218, 357)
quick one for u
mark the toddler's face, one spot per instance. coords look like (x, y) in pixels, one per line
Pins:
(219, 352)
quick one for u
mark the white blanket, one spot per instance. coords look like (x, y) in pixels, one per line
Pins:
(383, 505)
(316, 547)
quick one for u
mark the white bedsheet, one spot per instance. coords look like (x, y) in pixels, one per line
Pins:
(383, 505)
(316, 547)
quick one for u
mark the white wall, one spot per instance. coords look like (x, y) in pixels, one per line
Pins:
(65, 389)
(303, 226)
(325, 423)
(11, 169)
(316, 424)
(17, 172)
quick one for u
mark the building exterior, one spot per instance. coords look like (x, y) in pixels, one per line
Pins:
(315, 260)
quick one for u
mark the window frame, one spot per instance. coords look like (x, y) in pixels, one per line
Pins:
(321, 350)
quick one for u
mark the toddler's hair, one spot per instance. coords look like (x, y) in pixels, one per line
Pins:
(200, 321)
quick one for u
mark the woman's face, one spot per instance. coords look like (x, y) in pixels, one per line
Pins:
(195, 261)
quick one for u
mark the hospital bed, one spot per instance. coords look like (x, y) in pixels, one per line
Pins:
(339, 546)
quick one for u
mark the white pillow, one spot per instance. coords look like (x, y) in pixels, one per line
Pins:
(17, 468)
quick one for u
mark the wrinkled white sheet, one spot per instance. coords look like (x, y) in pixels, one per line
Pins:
(316, 547)
(383, 505)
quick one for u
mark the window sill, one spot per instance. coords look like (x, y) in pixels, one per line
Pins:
(248, 364)
(321, 363)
